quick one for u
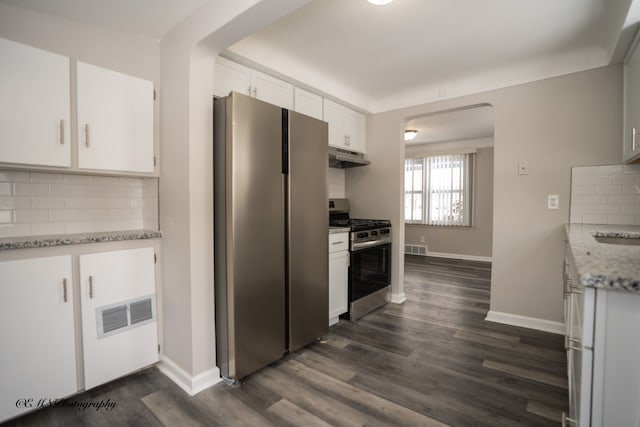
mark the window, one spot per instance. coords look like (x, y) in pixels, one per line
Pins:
(437, 190)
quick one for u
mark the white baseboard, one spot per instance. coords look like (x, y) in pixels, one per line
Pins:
(192, 385)
(526, 322)
(397, 298)
(460, 256)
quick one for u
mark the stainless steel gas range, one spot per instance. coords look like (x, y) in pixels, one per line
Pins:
(370, 259)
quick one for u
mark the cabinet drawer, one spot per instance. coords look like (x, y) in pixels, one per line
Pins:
(338, 242)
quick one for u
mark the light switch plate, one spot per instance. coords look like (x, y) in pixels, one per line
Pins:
(553, 201)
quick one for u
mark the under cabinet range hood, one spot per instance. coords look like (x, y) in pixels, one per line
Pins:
(340, 158)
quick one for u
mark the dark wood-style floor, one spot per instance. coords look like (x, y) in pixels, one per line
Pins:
(431, 361)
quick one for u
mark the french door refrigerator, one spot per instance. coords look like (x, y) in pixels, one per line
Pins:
(271, 237)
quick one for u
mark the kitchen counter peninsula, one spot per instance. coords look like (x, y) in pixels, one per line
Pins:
(26, 242)
(605, 265)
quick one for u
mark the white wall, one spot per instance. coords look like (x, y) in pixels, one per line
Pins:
(188, 55)
(551, 124)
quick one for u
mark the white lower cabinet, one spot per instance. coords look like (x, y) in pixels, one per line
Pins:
(119, 325)
(603, 349)
(38, 355)
(114, 301)
(338, 275)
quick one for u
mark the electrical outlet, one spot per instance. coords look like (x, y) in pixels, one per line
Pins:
(553, 201)
(523, 168)
(423, 239)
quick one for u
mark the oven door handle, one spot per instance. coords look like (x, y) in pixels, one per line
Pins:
(365, 245)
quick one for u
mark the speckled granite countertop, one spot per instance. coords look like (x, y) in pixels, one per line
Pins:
(75, 239)
(605, 265)
(335, 230)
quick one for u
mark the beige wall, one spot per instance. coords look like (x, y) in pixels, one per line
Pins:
(552, 125)
(474, 240)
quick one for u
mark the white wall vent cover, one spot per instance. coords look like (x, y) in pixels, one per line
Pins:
(116, 318)
(415, 250)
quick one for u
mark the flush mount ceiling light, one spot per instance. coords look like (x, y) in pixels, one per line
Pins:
(379, 2)
(409, 134)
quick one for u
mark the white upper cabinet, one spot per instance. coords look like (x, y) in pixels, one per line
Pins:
(230, 76)
(115, 121)
(347, 128)
(631, 110)
(307, 103)
(34, 106)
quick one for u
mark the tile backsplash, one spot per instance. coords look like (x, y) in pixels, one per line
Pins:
(336, 183)
(605, 195)
(33, 203)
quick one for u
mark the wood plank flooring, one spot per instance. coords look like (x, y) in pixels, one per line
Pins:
(431, 361)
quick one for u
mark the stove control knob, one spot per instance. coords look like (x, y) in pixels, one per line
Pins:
(385, 231)
(374, 233)
(362, 235)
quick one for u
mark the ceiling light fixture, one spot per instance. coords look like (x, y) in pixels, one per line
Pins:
(379, 2)
(409, 134)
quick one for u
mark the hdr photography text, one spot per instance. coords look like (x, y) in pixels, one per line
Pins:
(107, 405)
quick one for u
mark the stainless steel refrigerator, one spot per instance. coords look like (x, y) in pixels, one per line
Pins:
(271, 237)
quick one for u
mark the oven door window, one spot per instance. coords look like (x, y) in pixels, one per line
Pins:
(370, 271)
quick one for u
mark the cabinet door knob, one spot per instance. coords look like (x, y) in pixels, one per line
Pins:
(90, 287)
(61, 132)
(634, 146)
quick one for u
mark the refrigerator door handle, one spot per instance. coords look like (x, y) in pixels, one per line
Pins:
(285, 141)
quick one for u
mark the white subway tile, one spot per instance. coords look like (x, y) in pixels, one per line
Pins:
(630, 209)
(113, 225)
(150, 213)
(10, 176)
(66, 190)
(67, 215)
(14, 230)
(94, 190)
(78, 202)
(23, 216)
(78, 179)
(632, 169)
(47, 178)
(138, 213)
(150, 203)
(622, 199)
(581, 209)
(137, 203)
(6, 189)
(78, 227)
(130, 182)
(582, 170)
(610, 169)
(7, 202)
(621, 219)
(609, 189)
(120, 213)
(594, 219)
(596, 180)
(125, 192)
(583, 189)
(152, 224)
(6, 216)
(631, 189)
(132, 224)
(47, 228)
(623, 179)
(606, 209)
(47, 202)
(105, 180)
(94, 214)
(29, 189)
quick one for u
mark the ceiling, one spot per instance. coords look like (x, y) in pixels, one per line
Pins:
(148, 18)
(414, 51)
